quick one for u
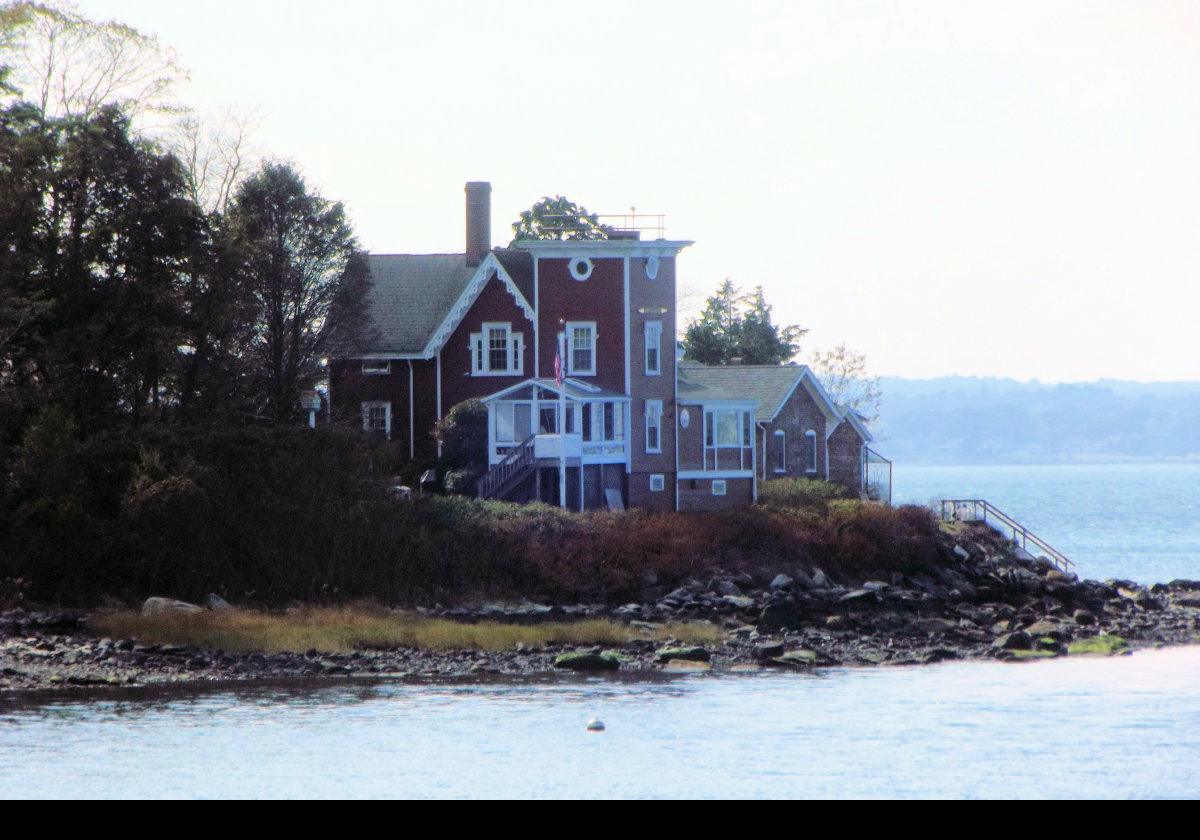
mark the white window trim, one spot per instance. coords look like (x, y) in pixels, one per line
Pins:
(387, 417)
(580, 268)
(781, 452)
(718, 487)
(514, 343)
(654, 411)
(570, 328)
(653, 331)
(810, 455)
(596, 413)
(376, 368)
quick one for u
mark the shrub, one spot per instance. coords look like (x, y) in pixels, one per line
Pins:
(800, 494)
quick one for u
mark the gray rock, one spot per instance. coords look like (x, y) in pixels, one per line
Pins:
(781, 582)
(780, 616)
(588, 662)
(690, 654)
(216, 603)
(1014, 641)
(157, 606)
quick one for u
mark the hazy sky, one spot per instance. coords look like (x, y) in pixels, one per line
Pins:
(993, 189)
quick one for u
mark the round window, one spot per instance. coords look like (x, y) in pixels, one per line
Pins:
(652, 267)
(581, 267)
(684, 418)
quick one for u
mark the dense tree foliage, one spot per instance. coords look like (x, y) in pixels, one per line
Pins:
(558, 218)
(296, 255)
(739, 326)
(121, 301)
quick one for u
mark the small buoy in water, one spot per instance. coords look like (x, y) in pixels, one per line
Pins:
(595, 725)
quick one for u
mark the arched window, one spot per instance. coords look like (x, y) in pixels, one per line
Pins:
(810, 451)
(780, 451)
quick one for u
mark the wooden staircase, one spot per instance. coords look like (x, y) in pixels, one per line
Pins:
(506, 476)
(978, 510)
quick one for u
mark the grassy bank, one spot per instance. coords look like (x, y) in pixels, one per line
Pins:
(347, 630)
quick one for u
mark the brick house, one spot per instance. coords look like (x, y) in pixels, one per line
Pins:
(489, 323)
(798, 431)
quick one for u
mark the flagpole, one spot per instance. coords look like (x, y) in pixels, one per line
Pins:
(562, 420)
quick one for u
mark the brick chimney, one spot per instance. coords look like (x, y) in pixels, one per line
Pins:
(479, 221)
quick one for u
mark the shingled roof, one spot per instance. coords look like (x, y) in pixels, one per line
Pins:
(768, 385)
(411, 294)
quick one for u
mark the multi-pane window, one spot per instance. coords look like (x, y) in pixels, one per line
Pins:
(654, 425)
(496, 351)
(727, 429)
(653, 348)
(602, 421)
(377, 417)
(497, 348)
(581, 349)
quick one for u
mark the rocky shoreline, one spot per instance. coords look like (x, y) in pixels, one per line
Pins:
(990, 602)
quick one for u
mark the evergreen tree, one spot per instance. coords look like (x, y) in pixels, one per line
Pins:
(738, 326)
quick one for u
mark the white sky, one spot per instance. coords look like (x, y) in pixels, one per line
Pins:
(992, 189)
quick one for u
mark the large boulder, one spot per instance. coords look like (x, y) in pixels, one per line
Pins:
(158, 606)
(588, 662)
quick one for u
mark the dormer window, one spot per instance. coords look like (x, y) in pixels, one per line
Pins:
(581, 348)
(497, 351)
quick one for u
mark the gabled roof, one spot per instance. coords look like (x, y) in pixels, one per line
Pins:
(410, 297)
(417, 299)
(574, 389)
(771, 386)
(768, 385)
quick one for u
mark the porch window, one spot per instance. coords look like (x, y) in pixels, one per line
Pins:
(497, 351)
(653, 348)
(512, 422)
(654, 425)
(581, 349)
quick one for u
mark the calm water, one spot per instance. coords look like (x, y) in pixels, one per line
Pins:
(1124, 727)
(1139, 522)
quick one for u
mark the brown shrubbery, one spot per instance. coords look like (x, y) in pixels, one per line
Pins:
(274, 517)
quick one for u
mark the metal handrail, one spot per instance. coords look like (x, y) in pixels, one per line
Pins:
(1018, 530)
(518, 459)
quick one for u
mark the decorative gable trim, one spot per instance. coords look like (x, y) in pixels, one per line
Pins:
(467, 299)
